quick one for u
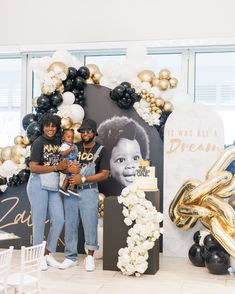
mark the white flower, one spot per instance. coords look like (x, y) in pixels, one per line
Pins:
(132, 259)
(127, 221)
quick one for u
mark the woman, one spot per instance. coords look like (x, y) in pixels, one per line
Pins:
(127, 143)
(43, 186)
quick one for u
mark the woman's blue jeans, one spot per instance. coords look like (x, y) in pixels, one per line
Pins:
(45, 203)
(85, 208)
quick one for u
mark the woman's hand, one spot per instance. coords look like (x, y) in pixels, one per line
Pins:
(75, 179)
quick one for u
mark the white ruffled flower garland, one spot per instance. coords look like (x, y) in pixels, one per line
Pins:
(132, 259)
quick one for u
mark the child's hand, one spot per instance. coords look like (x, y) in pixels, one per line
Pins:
(71, 148)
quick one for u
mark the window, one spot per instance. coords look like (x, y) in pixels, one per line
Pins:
(10, 100)
(170, 61)
(215, 86)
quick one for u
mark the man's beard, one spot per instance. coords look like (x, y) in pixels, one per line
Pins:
(89, 140)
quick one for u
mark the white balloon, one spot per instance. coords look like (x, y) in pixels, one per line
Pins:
(68, 98)
(8, 168)
(155, 91)
(75, 62)
(62, 56)
(77, 113)
(145, 86)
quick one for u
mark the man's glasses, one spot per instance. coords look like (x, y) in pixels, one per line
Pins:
(88, 131)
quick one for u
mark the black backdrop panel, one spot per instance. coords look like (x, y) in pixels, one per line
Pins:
(100, 107)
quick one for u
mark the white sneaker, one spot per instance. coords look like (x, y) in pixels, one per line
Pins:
(67, 263)
(44, 266)
(90, 263)
(51, 261)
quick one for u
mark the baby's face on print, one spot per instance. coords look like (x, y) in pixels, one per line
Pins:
(124, 160)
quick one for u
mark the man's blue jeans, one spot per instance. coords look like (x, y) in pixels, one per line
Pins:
(45, 203)
(85, 208)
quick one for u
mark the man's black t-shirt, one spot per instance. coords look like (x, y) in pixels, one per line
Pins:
(45, 151)
(86, 156)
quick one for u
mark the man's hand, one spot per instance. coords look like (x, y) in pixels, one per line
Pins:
(75, 179)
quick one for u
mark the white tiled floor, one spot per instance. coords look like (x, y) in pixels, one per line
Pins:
(176, 275)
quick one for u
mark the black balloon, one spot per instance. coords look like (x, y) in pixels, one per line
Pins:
(83, 72)
(56, 99)
(43, 102)
(205, 253)
(195, 256)
(126, 85)
(24, 175)
(72, 73)
(33, 131)
(53, 110)
(3, 181)
(28, 119)
(76, 92)
(119, 90)
(68, 85)
(218, 263)
(196, 237)
(80, 83)
(211, 243)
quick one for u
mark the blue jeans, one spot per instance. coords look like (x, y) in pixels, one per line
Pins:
(45, 203)
(85, 208)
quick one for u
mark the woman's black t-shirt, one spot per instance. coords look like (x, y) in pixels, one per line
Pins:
(45, 151)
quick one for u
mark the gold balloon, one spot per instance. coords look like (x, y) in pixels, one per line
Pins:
(58, 66)
(146, 75)
(25, 141)
(90, 81)
(163, 85)
(224, 160)
(18, 140)
(60, 89)
(15, 158)
(173, 82)
(34, 102)
(231, 202)
(46, 90)
(57, 82)
(164, 74)
(77, 135)
(6, 153)
(159, 102)
(208, 186)
(93, 69)
(96, 77)
(66, 122)
(16, 150)
(168, 107)
(204, 201)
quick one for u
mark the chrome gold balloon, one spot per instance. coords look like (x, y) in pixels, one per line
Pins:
(203, 201)
(6, 153)
(163, 85)
(146, 75)
(18, 140)
(93, 68)
(164, 74)
(66, 122)
(58, 66)
(173, 82)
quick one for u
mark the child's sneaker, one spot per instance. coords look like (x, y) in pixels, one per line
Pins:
(63, 191)
(73, 191)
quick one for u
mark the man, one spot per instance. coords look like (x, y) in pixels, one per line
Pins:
(83, 204)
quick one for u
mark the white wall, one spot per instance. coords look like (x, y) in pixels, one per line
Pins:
(26, 22)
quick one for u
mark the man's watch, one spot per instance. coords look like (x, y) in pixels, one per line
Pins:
(83, 179)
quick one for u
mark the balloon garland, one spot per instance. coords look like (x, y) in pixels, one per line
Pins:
(63, 80)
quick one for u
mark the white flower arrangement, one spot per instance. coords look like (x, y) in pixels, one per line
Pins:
(137, 209)
(142, 108)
